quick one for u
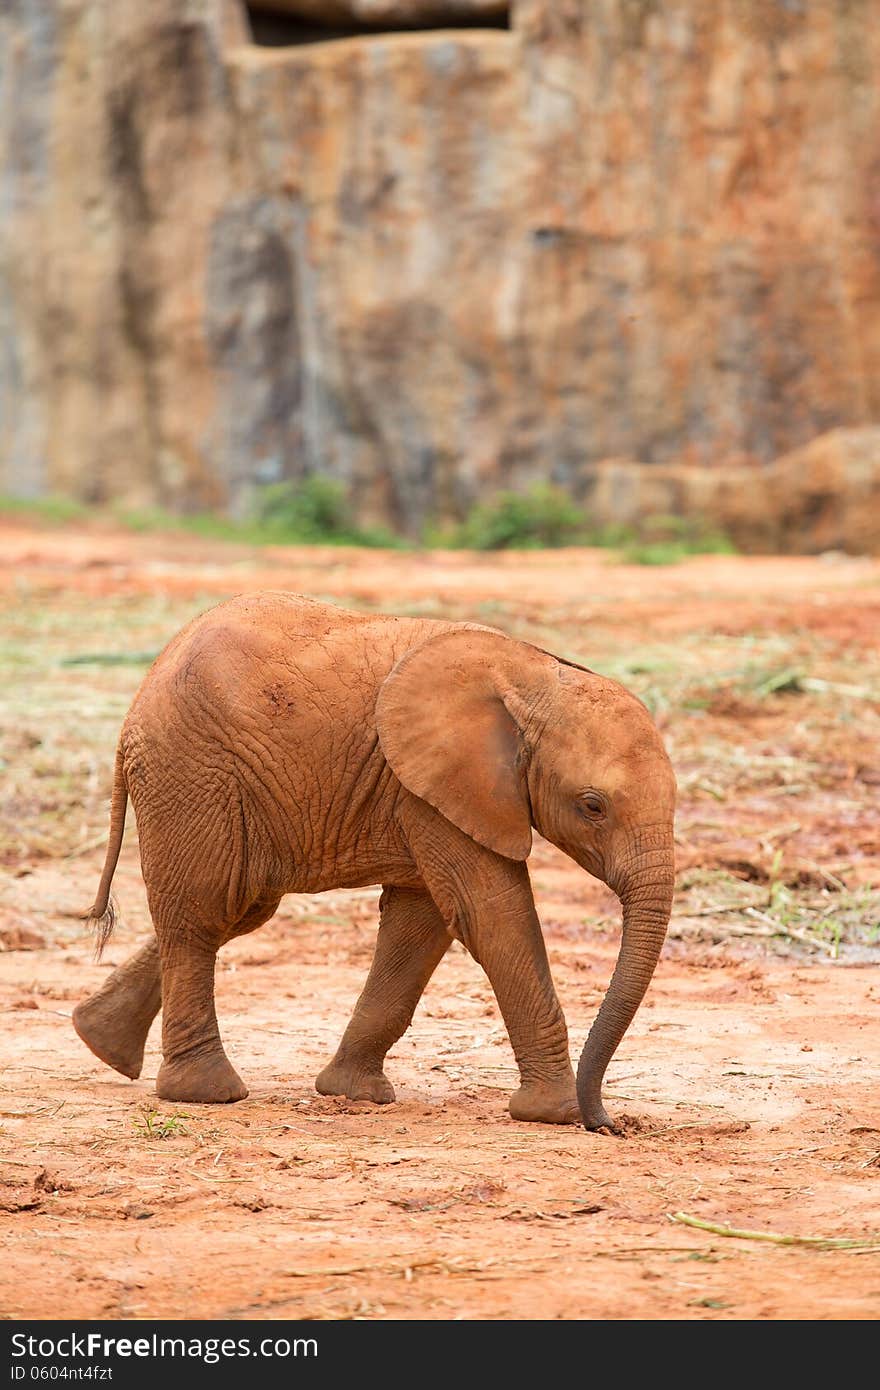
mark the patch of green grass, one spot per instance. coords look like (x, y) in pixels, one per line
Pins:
(667, 540)
(780, 899)
(786, 680)
(144, 519)
(56, 510)
(782, 908)
(149, 1124)
(825, 921)
(655, 553)
(314, 510)
(110, 659)
(317, 510)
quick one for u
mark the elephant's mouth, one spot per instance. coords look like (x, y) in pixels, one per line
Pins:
(588, 859)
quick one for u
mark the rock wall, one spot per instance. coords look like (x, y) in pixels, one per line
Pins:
(823, 497)
(431, 263)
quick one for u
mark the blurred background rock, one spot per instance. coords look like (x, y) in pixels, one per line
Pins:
(430, 249)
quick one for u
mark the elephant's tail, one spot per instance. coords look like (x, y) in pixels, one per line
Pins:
(102, 913)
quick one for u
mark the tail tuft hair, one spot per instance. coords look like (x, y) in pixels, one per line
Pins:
(103, 923)
(102, 914)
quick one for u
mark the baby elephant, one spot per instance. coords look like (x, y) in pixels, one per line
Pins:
(279, 745)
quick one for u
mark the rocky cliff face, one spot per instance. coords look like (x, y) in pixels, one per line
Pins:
(431, 262)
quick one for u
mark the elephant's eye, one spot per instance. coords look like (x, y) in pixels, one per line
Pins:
(591, 804)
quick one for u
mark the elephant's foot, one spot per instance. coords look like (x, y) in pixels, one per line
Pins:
(545, 1103)
(112, 1034)
(114, 1023)
(207, 1080)
(356, 1082)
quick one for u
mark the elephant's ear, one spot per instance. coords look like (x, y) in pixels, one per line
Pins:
(449, 737)
(564, 661)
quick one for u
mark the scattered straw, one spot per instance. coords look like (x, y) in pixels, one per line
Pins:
(431, 1265)
(816, 1242)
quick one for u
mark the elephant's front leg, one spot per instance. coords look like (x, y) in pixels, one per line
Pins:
(412, 941)
(507, 941)
(488, 902)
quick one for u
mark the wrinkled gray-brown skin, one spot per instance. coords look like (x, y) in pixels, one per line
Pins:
(280, 745)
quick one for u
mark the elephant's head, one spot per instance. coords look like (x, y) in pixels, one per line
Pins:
(500, 736)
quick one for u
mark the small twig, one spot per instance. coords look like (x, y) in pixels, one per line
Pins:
(785, 832)
(25, 1114)
(819, 687)
(711, 911)
(732, 1128)
(95, 843)
(432, 1264)
(780, 929)
(202, 1177)
(817, 1242)
(732, 930)
(443, 1266)
(835, 882)
(631, 1252)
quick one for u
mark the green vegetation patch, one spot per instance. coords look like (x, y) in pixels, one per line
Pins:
(314, 510)
(53, 510)
(317, 510)
(543, 516)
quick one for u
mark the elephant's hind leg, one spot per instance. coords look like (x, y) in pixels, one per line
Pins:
(114, 1023)
(195, 1067)
(412, 941)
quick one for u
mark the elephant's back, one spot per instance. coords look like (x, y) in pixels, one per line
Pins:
(273, 653)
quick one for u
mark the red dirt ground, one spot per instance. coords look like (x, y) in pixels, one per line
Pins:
(750, 1075)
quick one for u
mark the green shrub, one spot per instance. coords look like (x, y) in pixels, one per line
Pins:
(314, 511)
(543, 515)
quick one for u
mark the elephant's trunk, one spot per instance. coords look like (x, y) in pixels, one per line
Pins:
(645, 892)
